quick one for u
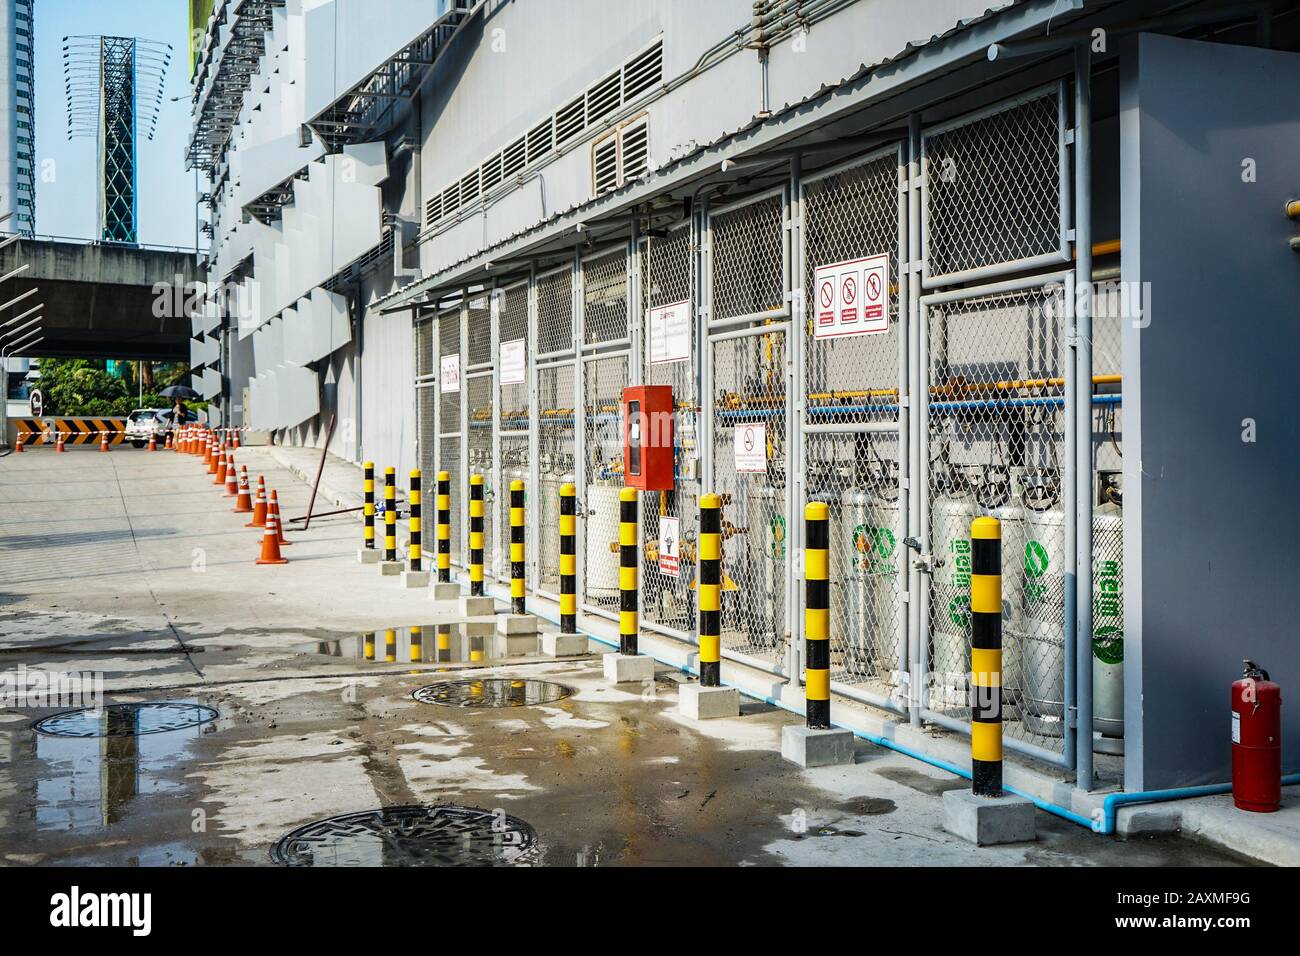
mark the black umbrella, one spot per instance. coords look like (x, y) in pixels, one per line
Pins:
(179, 391)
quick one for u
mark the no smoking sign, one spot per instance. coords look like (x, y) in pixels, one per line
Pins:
(853, 297)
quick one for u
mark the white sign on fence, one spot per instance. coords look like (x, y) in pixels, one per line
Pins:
(851, 298)
(670, 547)
(668, 336)
(751, 447)
(514, 359)
(451, 373)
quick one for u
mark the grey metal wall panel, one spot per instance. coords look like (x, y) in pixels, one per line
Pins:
(1211, 520)
(387, 399)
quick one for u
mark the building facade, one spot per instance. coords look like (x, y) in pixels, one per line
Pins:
(17, 116)
(920, 261)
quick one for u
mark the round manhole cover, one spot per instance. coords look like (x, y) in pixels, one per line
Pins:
(411, 836)
(126, 720)
(492, 692)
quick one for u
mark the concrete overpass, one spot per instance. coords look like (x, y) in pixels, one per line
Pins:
(99, 299)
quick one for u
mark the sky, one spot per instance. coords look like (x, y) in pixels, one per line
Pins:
(66, 206)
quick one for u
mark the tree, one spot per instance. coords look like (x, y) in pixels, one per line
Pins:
(85, 387)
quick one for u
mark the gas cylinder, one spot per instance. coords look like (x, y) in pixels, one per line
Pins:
(1256, 741)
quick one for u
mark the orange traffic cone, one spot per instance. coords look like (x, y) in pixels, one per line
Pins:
(18, 443)
(206, 445)
(103, 441)
(234, 438)
(271, 538)
(244, 501)
(167, 442)
(153, 442)
(259, 506)
(219, 465)
(58, 443)
(232, 479)
(274, 509)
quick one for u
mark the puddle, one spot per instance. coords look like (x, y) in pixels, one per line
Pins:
(98, 765)
(411, 836)
(426, 644)
(492, 692)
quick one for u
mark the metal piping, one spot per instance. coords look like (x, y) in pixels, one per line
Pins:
(1083, 413)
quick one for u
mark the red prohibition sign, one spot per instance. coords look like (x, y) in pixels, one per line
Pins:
(849, 290)
(827, 294)
(873, 286)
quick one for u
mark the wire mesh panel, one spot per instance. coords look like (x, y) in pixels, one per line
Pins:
(424, 349)
(669, 517)
(996, 432)
(478, 350)
(478, 392)
(449, 438)
(749, 472)
(450, 461)
(555, 311)
(994, 187)
(513, 336)
(604, 297)
(748, 258)
(556, 467)
(514, 467)
(426, 399)
(604, 381)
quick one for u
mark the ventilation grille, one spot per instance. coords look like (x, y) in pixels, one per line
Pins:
(623, 157)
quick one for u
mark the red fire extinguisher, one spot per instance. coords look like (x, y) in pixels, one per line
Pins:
(1256, 741)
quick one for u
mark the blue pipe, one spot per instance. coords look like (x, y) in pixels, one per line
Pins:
(973, 405)
(1110, 806)
(878, 741)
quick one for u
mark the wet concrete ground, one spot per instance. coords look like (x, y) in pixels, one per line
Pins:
(132, 566)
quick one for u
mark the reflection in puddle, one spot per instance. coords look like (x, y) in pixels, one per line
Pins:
(427, 644)
(90, 783)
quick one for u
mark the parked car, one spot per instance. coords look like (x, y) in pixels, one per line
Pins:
(143, 423)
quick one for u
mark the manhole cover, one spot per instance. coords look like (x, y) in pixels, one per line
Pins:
(126, 720)
(492, 692)
(411, 836)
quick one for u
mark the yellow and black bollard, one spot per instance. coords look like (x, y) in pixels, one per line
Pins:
(476, 536)
(415, 560)
(568, 561)
(390, 515)
(368, 554)
(629, 624)
(390, 646)
(986, 657)
(417, 644)
(816, 621)
(710, 591)
(517, 547)
(444, 643)
(444, 527)
(368, 651)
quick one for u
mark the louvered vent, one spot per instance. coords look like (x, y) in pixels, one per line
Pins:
(625, 155)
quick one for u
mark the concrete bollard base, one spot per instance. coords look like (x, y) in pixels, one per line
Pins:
(477, 606)
(707, 703)
(988, 821)
(555, 644)
(390, 568)
(816, 748)
(477, 628)
(516, 624)
(415, 579)
(445, 591)
(367, 556)
(628, 668)
(514, 645)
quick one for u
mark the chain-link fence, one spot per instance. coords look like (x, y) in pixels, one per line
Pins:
(478, 392)
(556, 466)
(995, 188)
(478, 348)
(604, 297)
(449, 438)
(669, 517)
(604, 380)
(426, 407)
(748, 260)
(555, 311)
(750, 441)
(513, 349)
(996, 446)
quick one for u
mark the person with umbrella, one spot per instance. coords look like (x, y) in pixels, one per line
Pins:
(179, 392)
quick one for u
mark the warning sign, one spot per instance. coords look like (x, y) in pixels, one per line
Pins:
(852, 297)
(668, 337)
(670, 546)
(751, 447)
(450, 368)
(514, 362)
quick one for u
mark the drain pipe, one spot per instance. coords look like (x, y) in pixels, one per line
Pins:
(1112, 803)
